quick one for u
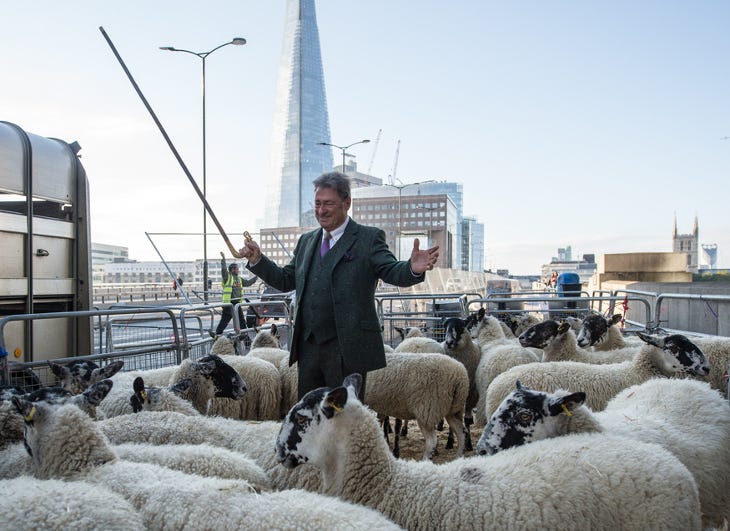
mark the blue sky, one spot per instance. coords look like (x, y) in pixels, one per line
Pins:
(589, 124)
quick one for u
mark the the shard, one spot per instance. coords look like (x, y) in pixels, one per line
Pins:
(300, 122)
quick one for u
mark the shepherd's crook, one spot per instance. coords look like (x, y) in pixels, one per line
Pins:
(233, 250)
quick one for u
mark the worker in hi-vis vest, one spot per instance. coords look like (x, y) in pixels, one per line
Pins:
(233, 285)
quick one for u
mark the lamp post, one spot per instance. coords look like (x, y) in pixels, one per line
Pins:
(400, 193)
(238, 41)
(344, 148)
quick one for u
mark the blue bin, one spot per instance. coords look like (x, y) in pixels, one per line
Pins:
(568, 285)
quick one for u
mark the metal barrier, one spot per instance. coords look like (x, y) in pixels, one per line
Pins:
(140, 355)
(541, 305)
(428, 311)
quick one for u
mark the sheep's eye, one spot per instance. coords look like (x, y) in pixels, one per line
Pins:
(524, 417)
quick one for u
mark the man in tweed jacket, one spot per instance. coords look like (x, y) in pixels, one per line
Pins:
(335, 270)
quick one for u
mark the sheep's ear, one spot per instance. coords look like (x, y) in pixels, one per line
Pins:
(334, 401)
(136, 403)
(26, 408)
(615, 319)
(138, 385)
(519, 386)
(181, 386)
(206, 367)
(273, 331)
(97, 392)
(107, 371)
(563, 327)
(566, 404)
(58, 370)
(481, 312)
(354, 381)
(650, 339)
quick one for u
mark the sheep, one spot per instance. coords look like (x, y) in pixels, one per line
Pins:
(160, 398)
(31, 504)
(660, 356)
(267, 338)
(263, 398)
(11, 424)
(24, 378)
(603, 334)
(14, 459)
(65, 444)
(253, 439)
(495, 360)
(583, 482)
(427, 387)
(519, 322)
(210, 377)
(558, 343)
(458, 344)
(198, 459)
(78, 375)
(717, 350)
(415, 344)
(688, 418)
(499, 353)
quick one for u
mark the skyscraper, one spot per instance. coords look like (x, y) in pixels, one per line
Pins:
(300, 122)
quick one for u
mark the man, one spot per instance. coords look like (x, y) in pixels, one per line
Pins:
(233, 285)
(335, 271)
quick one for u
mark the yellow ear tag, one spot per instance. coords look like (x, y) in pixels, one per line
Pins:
(566, 410)
(143, 394)
(30, 414)
(337, 408)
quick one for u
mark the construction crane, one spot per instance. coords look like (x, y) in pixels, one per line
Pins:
(391, 177)
(372, 155)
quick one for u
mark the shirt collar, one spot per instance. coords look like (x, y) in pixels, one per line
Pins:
(338, 232)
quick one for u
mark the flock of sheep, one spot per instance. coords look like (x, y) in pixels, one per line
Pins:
(581, 428)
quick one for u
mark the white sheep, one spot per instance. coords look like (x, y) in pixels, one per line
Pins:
(14, 459)
(717, 350)
(459, 345)
(688, 418)
(159, 398)
(426, 387)
(660, 356)
(199, 459)
(558, 343)
(251, 438)
(263, 395)
(266, 338)
(209, 376)
(583, 482)
(78, 375)
(31, 504)
(519, 322)
(65, 443)
(415, 344)
(496, 359)
(603, 334)
(499, 353)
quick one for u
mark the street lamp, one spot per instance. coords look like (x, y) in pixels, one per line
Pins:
(400, 193)
(238, 41)
(343, 148)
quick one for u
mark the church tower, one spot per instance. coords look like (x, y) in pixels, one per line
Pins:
(687, 243)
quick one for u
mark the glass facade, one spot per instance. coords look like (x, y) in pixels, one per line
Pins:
(300, 122)
(472, 245)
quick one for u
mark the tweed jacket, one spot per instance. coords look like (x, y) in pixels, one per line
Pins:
(361, 257)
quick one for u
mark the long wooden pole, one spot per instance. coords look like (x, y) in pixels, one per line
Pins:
(233, 250)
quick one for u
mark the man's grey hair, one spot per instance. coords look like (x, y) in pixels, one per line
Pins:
(335, 180)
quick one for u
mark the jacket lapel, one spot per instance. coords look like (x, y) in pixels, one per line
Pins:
(346, 241)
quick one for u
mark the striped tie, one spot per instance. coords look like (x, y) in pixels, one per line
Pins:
(326, 236)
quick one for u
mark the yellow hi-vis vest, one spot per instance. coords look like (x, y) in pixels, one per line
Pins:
(228, 286)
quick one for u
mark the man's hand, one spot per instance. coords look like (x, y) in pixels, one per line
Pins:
(422, 261)
(251, 251)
